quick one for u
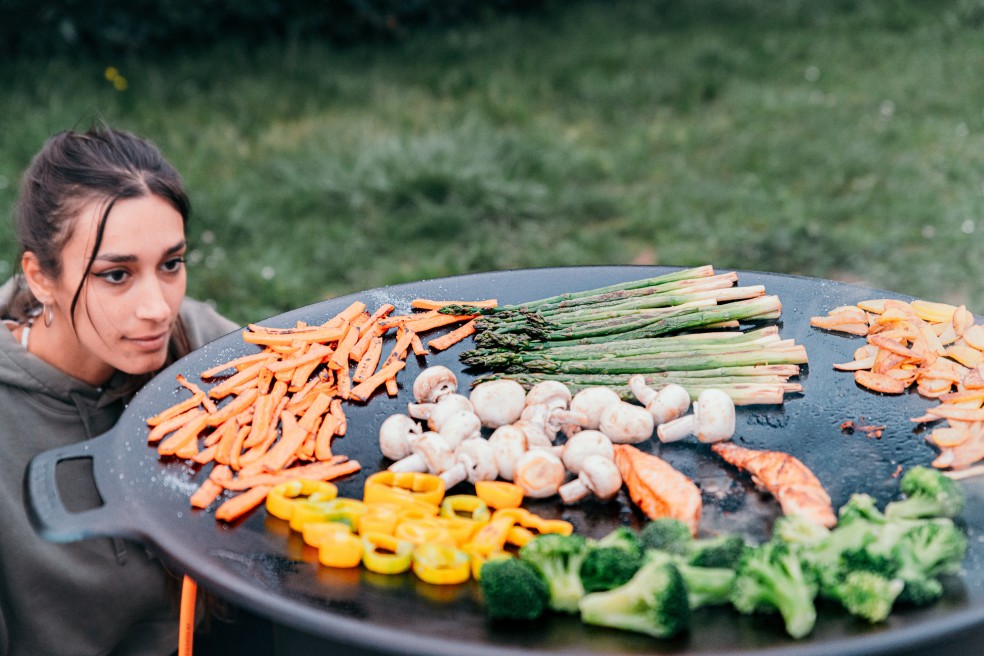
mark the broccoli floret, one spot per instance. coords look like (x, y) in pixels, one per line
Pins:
(666, 534)
(653, 602)
(930, 549)
(624, 538)
(513, 589)
(673, 536)
(612, 560)
(773, 577)
(706, 586)
(867, 595)
(799, 530)
(928, 493)
(605, 568)
(860, 506)
(559, 559)
(719, 551)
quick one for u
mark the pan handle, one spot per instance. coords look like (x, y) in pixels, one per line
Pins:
(48, 514)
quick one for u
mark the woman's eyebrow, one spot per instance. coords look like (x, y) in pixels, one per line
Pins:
(123, 259)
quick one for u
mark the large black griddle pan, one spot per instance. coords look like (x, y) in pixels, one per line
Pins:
(259, 564)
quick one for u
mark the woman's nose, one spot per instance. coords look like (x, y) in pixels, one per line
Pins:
(153, 305)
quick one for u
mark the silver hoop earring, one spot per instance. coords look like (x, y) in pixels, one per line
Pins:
(49, 314)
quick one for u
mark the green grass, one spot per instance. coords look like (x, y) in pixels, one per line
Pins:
(842, 141)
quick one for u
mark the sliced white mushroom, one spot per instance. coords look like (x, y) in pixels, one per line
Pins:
(431, 454)
(626, 423)
(665, 404)
(713, 419)
(590, 401)
(432, 412)
(498, 402)
(394, 436)
(549, 393)
(599, 476)
(508, 445)
(434, 382)
(584, 444)
(474, 461)
(540, 473)
(460, 426)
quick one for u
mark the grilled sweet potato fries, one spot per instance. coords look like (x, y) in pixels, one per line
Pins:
(934, 346)
(273, 415)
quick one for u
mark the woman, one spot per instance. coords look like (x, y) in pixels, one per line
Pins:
(99, 308)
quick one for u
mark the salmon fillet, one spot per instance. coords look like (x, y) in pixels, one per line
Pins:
(657, 488)
(794, 486)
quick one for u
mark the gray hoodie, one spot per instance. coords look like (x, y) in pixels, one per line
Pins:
(98, 596)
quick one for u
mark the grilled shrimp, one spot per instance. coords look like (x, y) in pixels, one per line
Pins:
(794, 486)
(657, 487)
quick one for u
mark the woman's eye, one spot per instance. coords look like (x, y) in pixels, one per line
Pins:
(115, 276)
(174, 264)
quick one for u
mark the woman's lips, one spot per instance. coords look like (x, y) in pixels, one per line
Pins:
(149, 343)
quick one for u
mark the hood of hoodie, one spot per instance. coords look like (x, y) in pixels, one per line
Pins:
(98, 407)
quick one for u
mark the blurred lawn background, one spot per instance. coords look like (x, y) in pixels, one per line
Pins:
(841, 139)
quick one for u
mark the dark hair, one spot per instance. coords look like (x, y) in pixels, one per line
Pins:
(74, 169)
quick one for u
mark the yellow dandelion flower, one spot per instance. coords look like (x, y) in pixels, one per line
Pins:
(111, 73)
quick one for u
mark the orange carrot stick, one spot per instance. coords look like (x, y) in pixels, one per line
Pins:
(339, 414)
(364, 390)
(315, 352)
(291, 438)
(313, 412)
(322, 441)
(453, 337)
(175, 410)
(226, 387)
(238, 363)
(211, 487)
(350, 313)
(428, 304)
(234, 407)
(179, 443)
(326, 470)
(423, 324)
(369, 360)
(339, 358)
(206, 455)
(234, 508)
(230, 450)
(307, 335)
(196, 390)
(417, 346)
(172, 424)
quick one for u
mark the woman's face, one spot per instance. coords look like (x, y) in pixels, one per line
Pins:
(132, 293)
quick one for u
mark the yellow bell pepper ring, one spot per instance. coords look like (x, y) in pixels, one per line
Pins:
(535, 523)
(314, 533)
(466, 506)
(492, 537)
(282, 498)
(380, 518)
(384, 554)
(518, 536)
(396, 486)
(499, 494)
(341, 509)
(420, 532)
(340, 549)
(440, 564)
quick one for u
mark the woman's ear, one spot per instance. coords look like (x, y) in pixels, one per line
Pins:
(40, 284)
